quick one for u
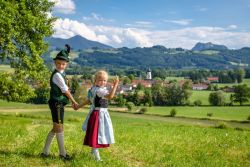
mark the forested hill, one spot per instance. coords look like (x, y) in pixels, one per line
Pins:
(76, 42)
(203, 55)
(159, 56)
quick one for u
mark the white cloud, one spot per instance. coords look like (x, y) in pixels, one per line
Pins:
(134, 37)
(64, 6)
(188, 37)
(182, 22)
(97, 17)
(141, 24)
(232, 26)
(66, 28)
(116, 39)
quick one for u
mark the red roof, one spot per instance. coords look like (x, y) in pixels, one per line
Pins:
(213, 78)
(146, 83)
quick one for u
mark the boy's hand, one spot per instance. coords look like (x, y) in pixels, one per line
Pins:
(75, 105)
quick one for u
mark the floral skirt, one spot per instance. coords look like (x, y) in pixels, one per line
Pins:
(91, 137)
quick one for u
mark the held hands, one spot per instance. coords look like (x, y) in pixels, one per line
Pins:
(75, 105)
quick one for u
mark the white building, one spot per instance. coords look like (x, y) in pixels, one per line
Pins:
(148, 74)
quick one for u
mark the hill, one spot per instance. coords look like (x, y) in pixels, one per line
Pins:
(161, 57)
(208, 46)
(201, 56)
(77, 43)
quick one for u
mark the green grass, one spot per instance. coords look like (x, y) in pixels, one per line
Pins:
(15, 105)
(6, 68)
(200, 95)
(245, 81)
(204, 95)
(139, 142)
(222, 113)
(174, 78)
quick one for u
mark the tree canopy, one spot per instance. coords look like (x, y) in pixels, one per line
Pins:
(23, 26)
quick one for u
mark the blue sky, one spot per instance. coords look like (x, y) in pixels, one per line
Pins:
(143, 23)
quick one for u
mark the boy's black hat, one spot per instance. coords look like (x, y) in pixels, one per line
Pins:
(63, 54)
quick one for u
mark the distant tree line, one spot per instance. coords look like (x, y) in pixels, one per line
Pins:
(161, 57)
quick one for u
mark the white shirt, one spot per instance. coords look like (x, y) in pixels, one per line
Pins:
(102, 92)
(59, 81)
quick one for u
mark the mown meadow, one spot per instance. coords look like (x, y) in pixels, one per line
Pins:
(141, 140)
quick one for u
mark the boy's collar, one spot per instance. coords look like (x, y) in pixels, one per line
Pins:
(61, 71)
(100, 86)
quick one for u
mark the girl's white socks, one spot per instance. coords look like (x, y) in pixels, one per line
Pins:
(96, 154)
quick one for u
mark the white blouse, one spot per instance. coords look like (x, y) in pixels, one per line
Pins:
(59, 81)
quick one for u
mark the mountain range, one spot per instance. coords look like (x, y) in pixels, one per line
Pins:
(202, 55)
(76, 42)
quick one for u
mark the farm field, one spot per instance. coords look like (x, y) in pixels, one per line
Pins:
(221, 113)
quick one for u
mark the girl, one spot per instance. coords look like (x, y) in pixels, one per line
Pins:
(98, 125)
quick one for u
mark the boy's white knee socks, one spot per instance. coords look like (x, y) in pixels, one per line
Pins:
(48, 142)
(60, 142)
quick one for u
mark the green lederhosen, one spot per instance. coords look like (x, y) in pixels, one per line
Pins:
(57, 100)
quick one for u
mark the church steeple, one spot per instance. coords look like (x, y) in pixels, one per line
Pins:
(148, 74)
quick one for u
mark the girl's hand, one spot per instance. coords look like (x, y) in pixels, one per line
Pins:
(116, 80)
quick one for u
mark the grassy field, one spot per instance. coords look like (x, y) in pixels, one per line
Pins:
(141, 140)
(221, 113)
(245, 81)
(174, 78)
(204, 95)
(6, 68)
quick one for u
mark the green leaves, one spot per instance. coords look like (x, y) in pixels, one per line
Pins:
(241, 94)
(23, 26)
(12, 89)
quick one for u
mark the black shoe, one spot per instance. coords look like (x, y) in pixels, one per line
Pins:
(66, 157)
(44, 155)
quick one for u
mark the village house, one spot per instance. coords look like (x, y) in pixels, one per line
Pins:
(213, 79)
(200, 86)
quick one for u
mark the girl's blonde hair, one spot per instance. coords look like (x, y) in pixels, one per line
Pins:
(100, 74)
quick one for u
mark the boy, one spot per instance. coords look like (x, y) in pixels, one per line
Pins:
(59, 97)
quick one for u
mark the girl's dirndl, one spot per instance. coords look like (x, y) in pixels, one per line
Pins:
(98, 125)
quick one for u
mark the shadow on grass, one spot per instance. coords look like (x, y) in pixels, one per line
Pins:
(25, 154)
(30, 155)
(22, 154)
